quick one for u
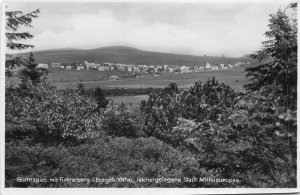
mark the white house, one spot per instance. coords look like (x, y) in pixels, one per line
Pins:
(55, 65)
(44, 66)
(230, 66)
(121, 68)
(80, 67)
(112, 68)
(238, 64)
(185, 69)
(136, 69)
(208, 65)
(201, 68)
(91, 65)
(222, 66)
(159, 66)
(171, 69)
(129, 68)
(145, 68)
(108, 64)
(103, 68)
(214, 67)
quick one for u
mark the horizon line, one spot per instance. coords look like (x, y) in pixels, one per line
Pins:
(111, 46)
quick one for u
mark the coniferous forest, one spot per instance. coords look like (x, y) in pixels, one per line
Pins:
(210, 132)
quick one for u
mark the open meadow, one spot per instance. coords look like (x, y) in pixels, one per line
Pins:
(62, 75)
(65, 79)
(127, 100)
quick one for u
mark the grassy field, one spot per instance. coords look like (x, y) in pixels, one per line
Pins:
(234, 77)
(63, 79)
(61, 75)
(128, 100)
(92, 78)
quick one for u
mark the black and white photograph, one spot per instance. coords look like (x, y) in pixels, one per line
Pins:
(149, 95)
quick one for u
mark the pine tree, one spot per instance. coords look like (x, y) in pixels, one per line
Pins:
(276, 79)
(81, 88)
(14, 21)
(31, 71)
(278, 68)
(100, 98)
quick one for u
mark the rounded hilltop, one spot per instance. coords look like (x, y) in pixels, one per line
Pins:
(117, 47)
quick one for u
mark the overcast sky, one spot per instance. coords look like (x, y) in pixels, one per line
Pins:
(231, 28)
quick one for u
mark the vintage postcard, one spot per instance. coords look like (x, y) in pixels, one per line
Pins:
(143, 97)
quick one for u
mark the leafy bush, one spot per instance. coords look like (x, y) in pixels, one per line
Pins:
(102, 158)
(64, 115)
(247, 142)
(200, 102)
(123, 120)
(242, 136)
(25, 160)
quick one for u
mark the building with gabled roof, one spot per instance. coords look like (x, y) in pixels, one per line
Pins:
(207, 66)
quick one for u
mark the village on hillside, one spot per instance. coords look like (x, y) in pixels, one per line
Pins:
(156, 69)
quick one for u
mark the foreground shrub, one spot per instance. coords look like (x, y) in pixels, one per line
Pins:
(64, 115)
(201, 102)
(252, 142)
(103, 158)
(246, 136)
(123, 120)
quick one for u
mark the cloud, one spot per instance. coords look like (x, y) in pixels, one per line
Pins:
(188, 29)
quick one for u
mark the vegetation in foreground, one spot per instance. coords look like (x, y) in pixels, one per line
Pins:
(208, 130)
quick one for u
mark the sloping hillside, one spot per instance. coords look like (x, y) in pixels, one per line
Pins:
(128, 55)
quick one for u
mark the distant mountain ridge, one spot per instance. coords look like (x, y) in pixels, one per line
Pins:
(61, 49)
(115, 48)
(125, 55)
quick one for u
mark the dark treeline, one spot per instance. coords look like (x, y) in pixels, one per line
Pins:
(126, 92)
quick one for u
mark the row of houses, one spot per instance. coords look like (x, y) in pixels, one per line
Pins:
(107, 66)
